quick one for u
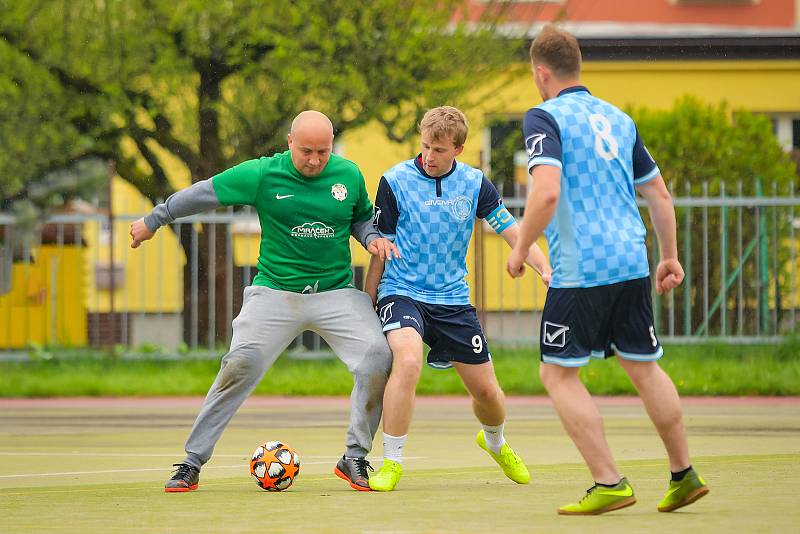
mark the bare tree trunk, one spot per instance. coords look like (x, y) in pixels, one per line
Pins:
(210, 162)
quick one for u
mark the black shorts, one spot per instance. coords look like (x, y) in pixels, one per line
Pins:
(451, 331)
(579, 323)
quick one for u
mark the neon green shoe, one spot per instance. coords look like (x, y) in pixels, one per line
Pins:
(600, 499)
(513, 466)
(387, 476)
(683, 493)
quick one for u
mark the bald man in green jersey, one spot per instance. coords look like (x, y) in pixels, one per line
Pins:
(309, 201)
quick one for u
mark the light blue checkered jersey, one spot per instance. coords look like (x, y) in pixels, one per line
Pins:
(432, 233)
(596, 236)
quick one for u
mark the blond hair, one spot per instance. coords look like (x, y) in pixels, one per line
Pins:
(445, 122)
(557, 49)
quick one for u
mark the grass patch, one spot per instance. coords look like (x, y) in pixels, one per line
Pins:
(696, 370)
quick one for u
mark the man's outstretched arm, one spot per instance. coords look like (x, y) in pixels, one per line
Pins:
(195, 199)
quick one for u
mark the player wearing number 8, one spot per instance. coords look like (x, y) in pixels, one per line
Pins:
(427, 206)
(588, 162)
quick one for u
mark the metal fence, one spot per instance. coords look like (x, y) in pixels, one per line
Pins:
(740, 253)
(742, 263)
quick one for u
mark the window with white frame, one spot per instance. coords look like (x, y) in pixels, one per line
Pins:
(786, 127)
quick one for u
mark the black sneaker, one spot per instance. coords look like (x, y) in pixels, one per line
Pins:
(185, 478)
(354, 471)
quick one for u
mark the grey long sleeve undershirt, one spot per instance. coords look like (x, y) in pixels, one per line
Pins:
(195, 199)
(364, 232)
(202, 197)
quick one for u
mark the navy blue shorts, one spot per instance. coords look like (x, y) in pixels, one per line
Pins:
(451, 331)
(579, 323)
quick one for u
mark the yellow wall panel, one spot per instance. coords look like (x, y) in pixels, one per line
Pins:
(150, 277)
(45, 305)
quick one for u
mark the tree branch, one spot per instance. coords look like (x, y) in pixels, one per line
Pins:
(163, 134)
(129, 170)
(74, 82)
(140, 137)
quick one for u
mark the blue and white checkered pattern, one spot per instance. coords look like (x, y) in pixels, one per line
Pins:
(432, 235)
(597, 236)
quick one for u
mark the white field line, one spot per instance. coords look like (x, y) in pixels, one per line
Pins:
(132, 455)
(146, 469)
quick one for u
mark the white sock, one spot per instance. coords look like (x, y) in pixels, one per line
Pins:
(494, 437)
(393, 447)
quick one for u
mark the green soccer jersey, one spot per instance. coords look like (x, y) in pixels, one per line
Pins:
(305, 222)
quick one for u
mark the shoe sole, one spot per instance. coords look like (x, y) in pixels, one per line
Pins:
(181, 490)
(338, 472)
(384, 489)
(630, 501)
(692, 497)
(518, 481)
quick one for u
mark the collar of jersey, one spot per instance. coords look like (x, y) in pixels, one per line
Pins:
(294, 172)
(573, 89)
(418, 165)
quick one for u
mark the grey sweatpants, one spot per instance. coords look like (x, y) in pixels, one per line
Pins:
(269, 321)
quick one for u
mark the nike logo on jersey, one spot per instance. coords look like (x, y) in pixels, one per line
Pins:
(281, 197)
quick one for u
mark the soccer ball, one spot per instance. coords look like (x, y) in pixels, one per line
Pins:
(274, 465)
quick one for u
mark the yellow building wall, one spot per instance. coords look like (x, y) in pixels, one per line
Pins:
(50, 298)
(246, 246)
(762, 86)
(45, 306)
(151, 275)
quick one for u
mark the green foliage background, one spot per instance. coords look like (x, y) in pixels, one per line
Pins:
(695, 142)
(214, 83)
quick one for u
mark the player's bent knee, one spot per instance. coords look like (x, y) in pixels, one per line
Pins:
(408, 366)
(372, 370)
(490, 394)
(236, 371)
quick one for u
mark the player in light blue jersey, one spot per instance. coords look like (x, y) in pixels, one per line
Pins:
(427, 206)
(588, 162)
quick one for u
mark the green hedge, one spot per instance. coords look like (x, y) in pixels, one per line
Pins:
(696, 370)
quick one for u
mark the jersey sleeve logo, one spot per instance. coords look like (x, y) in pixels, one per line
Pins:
(533, 143)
